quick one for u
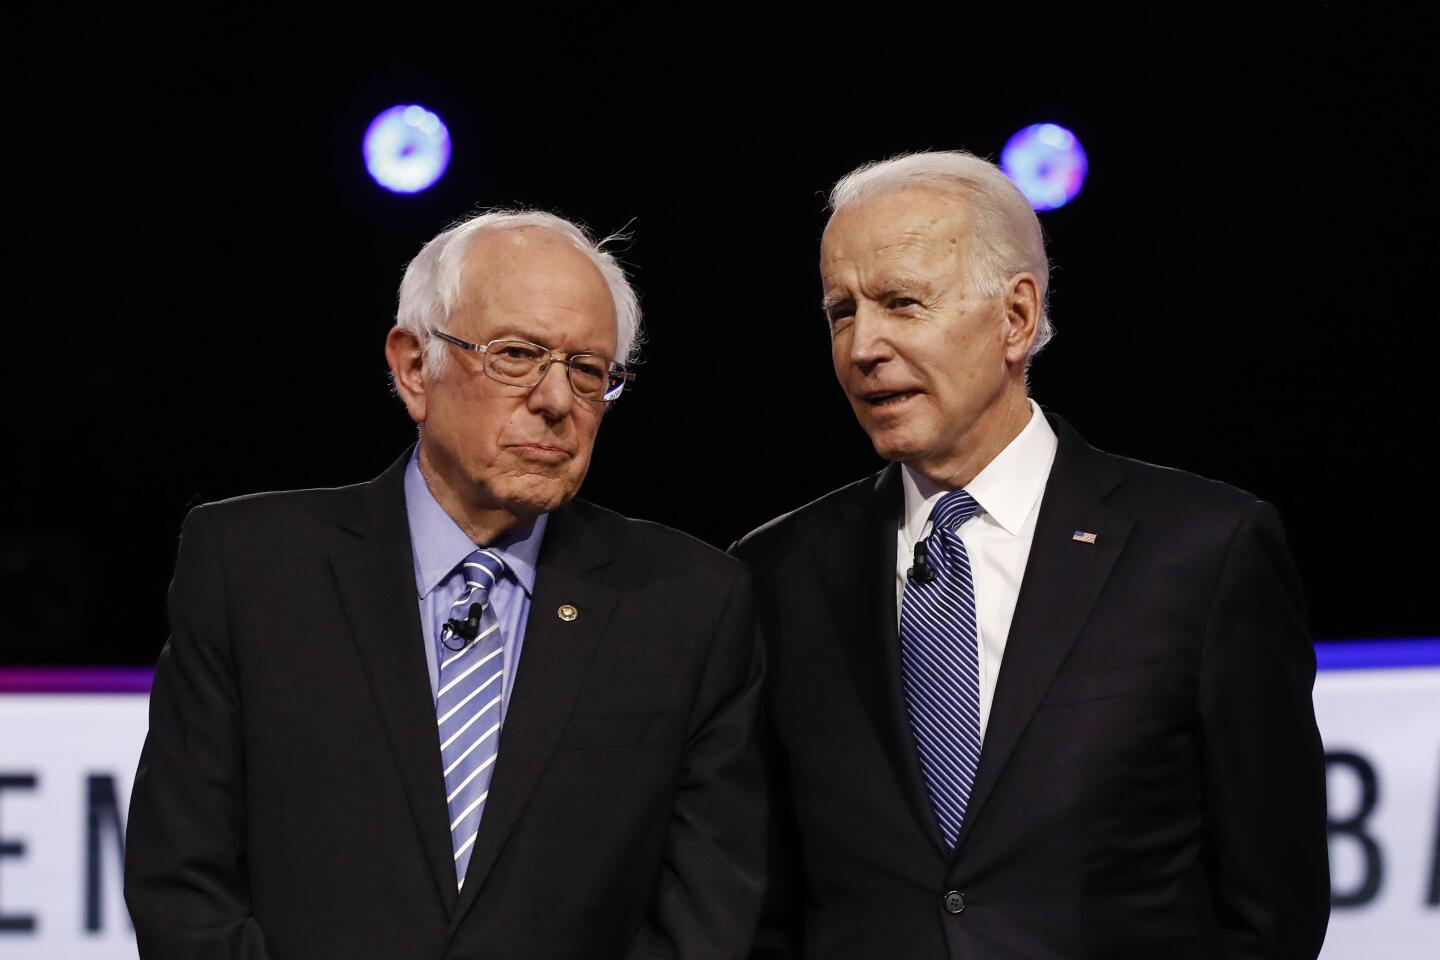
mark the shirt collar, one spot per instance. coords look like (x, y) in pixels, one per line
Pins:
(1008, 487)
(439, 545)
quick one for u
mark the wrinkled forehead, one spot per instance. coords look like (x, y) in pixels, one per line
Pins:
(534, 278)
(917, 228)
(529, 260)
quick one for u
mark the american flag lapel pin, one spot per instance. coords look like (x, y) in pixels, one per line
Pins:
(1083, 536)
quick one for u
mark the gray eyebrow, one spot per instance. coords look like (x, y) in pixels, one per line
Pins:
(583, 351)
(893, 287)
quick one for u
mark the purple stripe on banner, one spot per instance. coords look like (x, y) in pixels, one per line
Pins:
(75, 679)
(1378, 654)
(1329, 655)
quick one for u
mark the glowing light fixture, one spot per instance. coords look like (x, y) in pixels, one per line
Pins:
(1047, 163)
(407, 148)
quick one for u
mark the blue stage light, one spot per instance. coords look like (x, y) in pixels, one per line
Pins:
(407, 149)
(1047, 163)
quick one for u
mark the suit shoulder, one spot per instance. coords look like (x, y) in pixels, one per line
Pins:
(664, 545)
(785, 531)
(1185, 508)
(253, 507)
(275, 519)
(1173, 487)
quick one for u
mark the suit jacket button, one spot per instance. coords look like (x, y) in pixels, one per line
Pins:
(954, 902)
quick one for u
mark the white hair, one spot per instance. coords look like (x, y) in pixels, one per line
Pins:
(1006, 232)
(432, 284)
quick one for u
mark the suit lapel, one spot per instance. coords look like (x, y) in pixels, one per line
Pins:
(375, 577)
(553, 663)
(1063, 579)
(857, 566)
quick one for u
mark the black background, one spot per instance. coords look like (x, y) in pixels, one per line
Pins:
(206, 272)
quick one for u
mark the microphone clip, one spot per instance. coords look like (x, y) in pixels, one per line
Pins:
(467, 629)
(922, 572)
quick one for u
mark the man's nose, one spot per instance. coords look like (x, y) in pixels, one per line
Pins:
(552, 396)
(869, 342)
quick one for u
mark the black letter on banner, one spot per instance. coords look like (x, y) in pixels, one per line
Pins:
(1433, 899)
(16, 922)
(1353, 826)
(101, 809)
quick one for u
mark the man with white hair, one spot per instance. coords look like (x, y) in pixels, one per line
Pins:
(455, 711)
(1025, 699)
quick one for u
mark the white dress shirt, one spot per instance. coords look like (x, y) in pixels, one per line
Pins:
(997, 538)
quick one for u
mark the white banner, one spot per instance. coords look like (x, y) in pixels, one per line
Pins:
(67, 762)
(1382, 746)
(66, 765)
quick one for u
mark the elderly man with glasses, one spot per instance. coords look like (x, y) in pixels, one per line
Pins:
(455, 711)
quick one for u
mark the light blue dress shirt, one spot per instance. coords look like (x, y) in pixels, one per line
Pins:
(439, 546)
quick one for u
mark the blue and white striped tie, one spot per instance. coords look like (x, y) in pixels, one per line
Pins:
(468, 702)
(941, 663)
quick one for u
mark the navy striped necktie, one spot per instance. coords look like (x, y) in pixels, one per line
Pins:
(468, 705)
(940, 659)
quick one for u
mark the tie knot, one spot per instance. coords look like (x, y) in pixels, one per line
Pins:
(953, 509)
(481, 569)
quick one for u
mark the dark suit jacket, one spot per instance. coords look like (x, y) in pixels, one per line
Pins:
(290, 801)
(1151, 782)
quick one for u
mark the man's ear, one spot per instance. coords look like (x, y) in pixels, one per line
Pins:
(1022, 317)
(405, 353)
